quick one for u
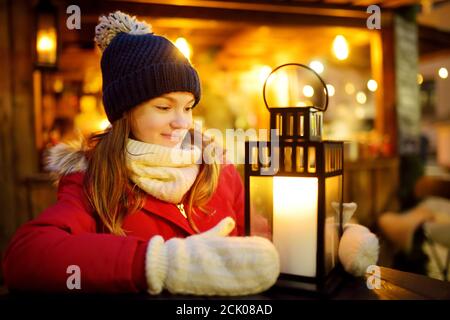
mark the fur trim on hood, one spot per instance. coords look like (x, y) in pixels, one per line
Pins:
(66, 158)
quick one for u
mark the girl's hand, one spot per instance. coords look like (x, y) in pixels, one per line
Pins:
(211, 263)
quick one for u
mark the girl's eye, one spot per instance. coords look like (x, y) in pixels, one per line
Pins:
(162, 107)
(189, 108)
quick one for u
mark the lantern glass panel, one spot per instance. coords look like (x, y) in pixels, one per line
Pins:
(299, 160)
(316, 124)
(290, 124)
(301, 125)
(333, 194)
(279, 124)
(312, 159)
(288, 159)
(261, 206)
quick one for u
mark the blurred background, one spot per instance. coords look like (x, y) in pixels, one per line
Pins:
(389, 88)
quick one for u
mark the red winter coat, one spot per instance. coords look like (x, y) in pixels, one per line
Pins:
(41, 251)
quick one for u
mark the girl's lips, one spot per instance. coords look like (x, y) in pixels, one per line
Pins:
(171, 137)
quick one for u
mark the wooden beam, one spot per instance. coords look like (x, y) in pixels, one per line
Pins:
(386, 119)
(441, 54)
(432, 40)
(7, 220)
(398, 3)
(23, 135)
(258, 13)
(308, 8)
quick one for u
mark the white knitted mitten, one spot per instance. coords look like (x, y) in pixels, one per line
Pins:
(211, 263)
(358, 248)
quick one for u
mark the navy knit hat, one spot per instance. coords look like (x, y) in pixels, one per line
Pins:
(138, 65)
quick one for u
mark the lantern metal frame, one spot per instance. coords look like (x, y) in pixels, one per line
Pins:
(298, 132)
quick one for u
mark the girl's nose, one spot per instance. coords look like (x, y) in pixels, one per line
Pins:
(181, 122)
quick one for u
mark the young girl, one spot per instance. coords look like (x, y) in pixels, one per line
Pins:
(138, 208)
(144, 206)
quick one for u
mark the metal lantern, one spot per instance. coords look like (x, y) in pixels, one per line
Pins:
(46, 46)
(294, 181)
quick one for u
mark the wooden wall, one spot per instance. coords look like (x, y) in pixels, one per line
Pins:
(18, 157)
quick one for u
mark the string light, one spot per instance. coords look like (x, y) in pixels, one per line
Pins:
(372, 85)
(443, 73)
(349, 88)
(361, 97)
(330, 89)
(317, 66)
(419, 79)
(308, 91)
(340, 47)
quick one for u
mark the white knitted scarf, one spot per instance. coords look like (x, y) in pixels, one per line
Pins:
(163, 172)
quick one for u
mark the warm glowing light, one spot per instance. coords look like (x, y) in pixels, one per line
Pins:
(58, 86)
(349, 88)
(240, 122)
(443, 73)
(184, 46)
(360, 113)
(280, 83)
(361, 97)
(104, 124)
(308, 91)
(372, 85)
(264, 72)
(88, 104)
(45, 43)
(89, 120)
(295, 224)
(340, 47)
(419, 79)
(317, 66)
(330, 90)
(46, 46)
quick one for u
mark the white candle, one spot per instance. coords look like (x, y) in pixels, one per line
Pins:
(295, 224)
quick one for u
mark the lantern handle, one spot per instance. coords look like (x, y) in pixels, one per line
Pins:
(299, 65)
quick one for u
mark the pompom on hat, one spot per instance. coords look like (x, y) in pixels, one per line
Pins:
(138, 65)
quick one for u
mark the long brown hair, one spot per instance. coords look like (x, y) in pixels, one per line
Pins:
(113, 195)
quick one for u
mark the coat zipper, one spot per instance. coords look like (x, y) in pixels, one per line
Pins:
(180, 207)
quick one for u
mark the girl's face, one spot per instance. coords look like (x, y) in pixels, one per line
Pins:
(164, 120)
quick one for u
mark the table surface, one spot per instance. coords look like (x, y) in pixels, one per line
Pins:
(394, 285)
